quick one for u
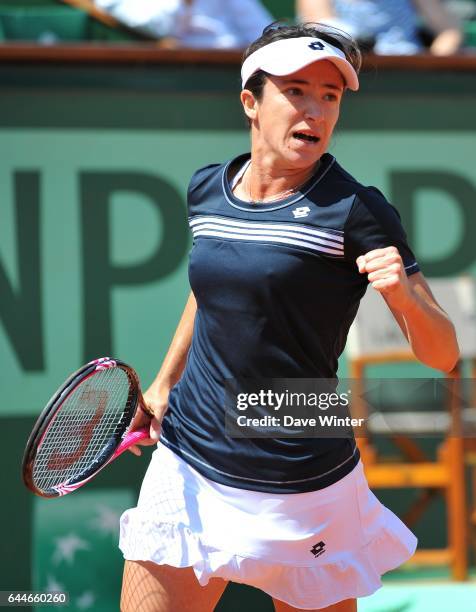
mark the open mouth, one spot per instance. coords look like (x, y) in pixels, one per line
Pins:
(305, 137)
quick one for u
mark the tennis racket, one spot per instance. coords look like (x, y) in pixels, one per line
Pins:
(84, 426)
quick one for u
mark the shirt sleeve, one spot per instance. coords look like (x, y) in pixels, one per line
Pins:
(373, 223)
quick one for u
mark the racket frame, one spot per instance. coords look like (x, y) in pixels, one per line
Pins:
(47, 416)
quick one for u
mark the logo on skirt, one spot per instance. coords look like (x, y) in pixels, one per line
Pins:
(318, 549)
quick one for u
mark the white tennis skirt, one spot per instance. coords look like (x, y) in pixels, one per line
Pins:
(309, 550)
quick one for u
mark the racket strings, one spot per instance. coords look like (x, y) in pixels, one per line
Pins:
(92, 416)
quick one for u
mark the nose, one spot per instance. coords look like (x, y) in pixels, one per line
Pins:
(313, 111)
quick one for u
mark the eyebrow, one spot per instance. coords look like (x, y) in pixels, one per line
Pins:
(304, 82)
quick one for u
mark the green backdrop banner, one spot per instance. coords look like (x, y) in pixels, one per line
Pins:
(94, 239)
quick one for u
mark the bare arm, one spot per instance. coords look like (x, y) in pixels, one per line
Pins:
(427, 327)
(157, 395)
(172, 367)
(446, 26)
(425, 324)
(314, 10)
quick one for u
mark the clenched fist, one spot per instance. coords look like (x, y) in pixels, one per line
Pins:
(386, 273)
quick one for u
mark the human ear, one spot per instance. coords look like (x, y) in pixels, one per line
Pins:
(249, 104)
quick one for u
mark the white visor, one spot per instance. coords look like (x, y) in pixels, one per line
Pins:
(289, 55)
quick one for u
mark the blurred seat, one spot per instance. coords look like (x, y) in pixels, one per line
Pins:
(375, 339)
(58, 21)
(43, 24)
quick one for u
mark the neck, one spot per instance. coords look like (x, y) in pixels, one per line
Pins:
(266, 178)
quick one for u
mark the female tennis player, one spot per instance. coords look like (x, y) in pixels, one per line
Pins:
(285, 244)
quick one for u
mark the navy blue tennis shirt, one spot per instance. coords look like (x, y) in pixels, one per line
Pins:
(277, 288)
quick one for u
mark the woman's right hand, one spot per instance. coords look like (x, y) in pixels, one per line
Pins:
(155, 401)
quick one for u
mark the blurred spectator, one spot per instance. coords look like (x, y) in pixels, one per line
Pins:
(391, 27)
(219, 24)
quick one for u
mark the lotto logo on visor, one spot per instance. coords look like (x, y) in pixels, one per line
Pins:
(317, 46)
(289, 55)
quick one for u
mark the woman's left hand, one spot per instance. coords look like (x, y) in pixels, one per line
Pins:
(386, 273)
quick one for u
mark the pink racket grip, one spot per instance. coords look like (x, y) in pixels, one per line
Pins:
(131, 438)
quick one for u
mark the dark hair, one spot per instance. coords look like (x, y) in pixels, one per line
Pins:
(279, 30)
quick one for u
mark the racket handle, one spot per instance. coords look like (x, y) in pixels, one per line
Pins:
(131, 438)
